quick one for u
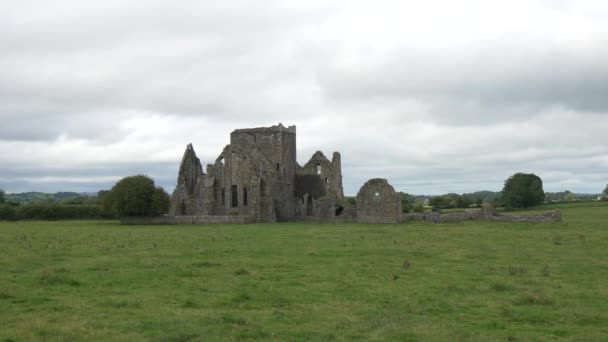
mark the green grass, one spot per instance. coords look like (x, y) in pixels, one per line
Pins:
(95, 280)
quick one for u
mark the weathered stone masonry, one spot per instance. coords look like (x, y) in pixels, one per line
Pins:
(256, 178)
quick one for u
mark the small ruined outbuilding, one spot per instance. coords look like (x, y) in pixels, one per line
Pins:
(378, 202)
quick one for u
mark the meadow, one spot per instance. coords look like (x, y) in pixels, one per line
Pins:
(470, 281)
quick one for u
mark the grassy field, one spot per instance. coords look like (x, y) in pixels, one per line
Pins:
(94, 280)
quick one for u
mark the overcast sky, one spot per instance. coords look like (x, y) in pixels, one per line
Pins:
(435, 96)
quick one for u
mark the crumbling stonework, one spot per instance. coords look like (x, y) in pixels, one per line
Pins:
(330, 172)
(378, 202)
(185, 197)
(488, 213)
(485, 213)
(549, 216)
(256, 178)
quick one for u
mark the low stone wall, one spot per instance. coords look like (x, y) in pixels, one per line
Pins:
(486, 213)
(207, 219)
(550, 216)
(426, 217)
(348, 215)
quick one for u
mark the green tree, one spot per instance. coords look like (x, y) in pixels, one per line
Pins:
(1, 196)
(136, 196)
(438, 201)
(523, 190)
(418, 206)
(478, 202)
(411, 199)
(605, 192)
(463, 201)
(406, 207)
(570, 197)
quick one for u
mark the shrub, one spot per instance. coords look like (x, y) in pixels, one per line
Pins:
(7, 212)
(52, 211)
(136, 196)
(523, 190)
(418, 207)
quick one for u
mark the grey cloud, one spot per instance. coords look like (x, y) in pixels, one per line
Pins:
(499, 82)
(91, 178)
(120, 75)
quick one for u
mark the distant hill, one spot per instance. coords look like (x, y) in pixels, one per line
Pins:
(58, 197)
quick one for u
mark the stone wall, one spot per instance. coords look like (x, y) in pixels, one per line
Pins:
(330, 172)
(486, 213)
(184, 199)
(550, 216)
(378, 202)
(188, 219)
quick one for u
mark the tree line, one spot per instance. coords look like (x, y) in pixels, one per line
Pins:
(131, 196)
(139, 196)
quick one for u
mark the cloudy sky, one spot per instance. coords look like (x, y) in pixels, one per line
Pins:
(435, 96)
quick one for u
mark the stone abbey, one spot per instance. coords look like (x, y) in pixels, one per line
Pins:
(256, 178)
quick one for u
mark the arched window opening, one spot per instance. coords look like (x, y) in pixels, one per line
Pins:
(223, 197)
(326, 180)
(318, 169)
(278, 167)
(245, 202)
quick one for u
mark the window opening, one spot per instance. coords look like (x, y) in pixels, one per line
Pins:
(262, 188)
(309, 206)
(234, 196)
(223, 197)
(244, 196)
(318, 168)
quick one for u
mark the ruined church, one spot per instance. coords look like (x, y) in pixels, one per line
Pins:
(256, 178)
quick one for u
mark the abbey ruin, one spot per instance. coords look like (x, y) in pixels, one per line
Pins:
(256, 178)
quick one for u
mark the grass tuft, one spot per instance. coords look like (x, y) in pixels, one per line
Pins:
(57, 277)
(241, 272)
(533, 299)
(190, 304)
(501, 287)
(231, 319)
(206, 264)
(241, 298)
(517, 270)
